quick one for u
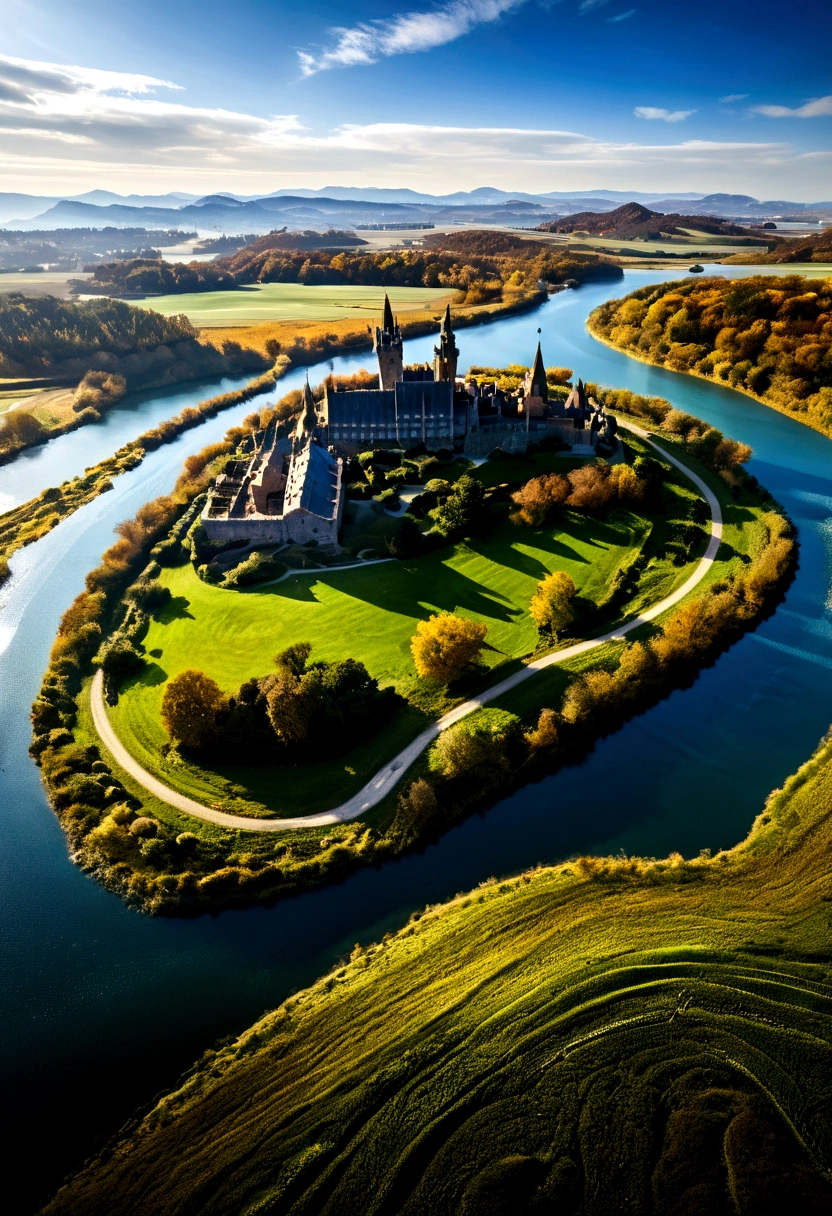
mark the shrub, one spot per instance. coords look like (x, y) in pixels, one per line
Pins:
(417, 811)
(544, 736)
(445, 645)
(591, 488)
(478, 743)
(144, 827)
(190, 705)
(98, 390)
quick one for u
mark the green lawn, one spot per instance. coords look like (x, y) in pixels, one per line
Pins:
(605, 1036)
(292, 302)
(369, 614)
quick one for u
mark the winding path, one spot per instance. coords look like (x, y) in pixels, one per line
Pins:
(386, 778)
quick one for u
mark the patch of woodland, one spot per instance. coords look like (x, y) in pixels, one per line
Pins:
(770, 337)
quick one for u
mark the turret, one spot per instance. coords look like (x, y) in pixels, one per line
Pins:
(445, 355)
(537, 379)
(389, 349)
(308, 417)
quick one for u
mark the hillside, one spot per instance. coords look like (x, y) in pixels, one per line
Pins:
(771, 337)
(610, 1035)
(814, 248)
(633, 221)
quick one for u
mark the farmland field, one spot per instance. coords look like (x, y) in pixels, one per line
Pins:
(292, 302)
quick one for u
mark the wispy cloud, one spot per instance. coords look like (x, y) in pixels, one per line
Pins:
(65, 129)
(586, 6)
(402, 34)
(658, 114)
(821, 107)
(623, 16)
(729, 97)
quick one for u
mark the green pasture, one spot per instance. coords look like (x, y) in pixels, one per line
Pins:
(609, 1035)
(292, 302)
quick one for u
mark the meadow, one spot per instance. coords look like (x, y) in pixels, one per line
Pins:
(606, 1035)
(293, 302)
(371, 614)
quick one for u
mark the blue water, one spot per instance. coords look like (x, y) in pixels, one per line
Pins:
(102, 1007)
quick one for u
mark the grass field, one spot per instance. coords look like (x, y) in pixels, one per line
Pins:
(371, 614)
(605, 1036)
(47, 283)
(292, 302)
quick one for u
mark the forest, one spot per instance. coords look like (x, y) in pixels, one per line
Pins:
(152, 276)
(771, 337)
(633, 221)
(37, 333)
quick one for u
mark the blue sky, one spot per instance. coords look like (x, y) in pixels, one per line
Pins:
(539, 95)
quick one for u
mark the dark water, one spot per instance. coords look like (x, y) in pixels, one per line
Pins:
(102, 1007)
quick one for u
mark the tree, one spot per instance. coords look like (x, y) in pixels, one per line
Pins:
(478, 743)
(591, 488)
(190, 707)
(462, 509)
(445, 645)
(550, 606)
(539, 498)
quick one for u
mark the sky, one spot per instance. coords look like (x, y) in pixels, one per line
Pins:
(149, 96)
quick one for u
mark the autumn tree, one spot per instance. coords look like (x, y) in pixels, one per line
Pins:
(479, 743)
(190, 705)
(539, 498)
(591, 488)
(445, 645)
(550, 606)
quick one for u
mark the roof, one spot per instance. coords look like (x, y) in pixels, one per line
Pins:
(538, 376)
(363, 406)
(313, 482)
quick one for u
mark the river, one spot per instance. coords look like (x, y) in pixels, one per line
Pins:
(103, 1007)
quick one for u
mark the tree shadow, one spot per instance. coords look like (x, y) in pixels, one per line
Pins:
(151, 675)
(175, 609)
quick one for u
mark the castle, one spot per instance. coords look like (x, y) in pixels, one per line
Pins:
(291, 490)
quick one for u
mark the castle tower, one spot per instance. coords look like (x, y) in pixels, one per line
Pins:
(537, 378)
(445, 355)
(307, 418)
(389, 349)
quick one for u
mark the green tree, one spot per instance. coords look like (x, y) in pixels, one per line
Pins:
(190, 705)
(462, 509)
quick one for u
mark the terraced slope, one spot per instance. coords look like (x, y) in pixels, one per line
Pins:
(601, 1037)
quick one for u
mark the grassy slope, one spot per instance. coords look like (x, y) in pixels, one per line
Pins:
(371, 614)
(593, 1038)
(292, 302)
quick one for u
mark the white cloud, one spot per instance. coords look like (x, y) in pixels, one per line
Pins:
(587, 6)
(655, 113)
(821, 107)
(623, 16)
(729, 97)
(403, 34)
(63, 130)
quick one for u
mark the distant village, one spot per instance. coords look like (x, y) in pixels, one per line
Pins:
(291, 489)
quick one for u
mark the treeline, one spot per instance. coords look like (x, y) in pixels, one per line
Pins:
(145, 276)
(39, 333)
(771, 337)
(482, 276)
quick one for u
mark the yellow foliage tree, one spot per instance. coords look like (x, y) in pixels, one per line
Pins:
(550, 606)
(445, 645)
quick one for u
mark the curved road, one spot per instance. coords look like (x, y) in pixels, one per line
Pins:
(386, 778)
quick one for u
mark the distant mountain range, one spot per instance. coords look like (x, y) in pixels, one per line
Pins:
(346, 206)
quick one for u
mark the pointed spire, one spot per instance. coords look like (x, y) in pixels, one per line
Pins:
(309, 414)
(387, 321)
(446, 323)
(538, 379)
